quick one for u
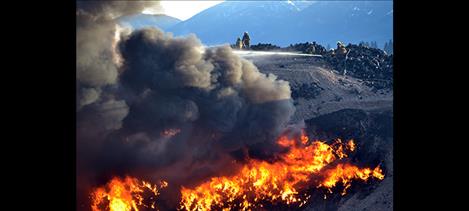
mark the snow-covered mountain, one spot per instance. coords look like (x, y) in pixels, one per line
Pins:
(282, 22)
(348, 21)
(226, 21)
(287, 22)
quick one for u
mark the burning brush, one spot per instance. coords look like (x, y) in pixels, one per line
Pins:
(287, 181)
(125, 194)
(155, 106)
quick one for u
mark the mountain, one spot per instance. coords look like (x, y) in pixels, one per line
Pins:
(349, 21)
(287, 22)
(163, 22)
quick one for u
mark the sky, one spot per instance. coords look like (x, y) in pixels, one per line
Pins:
(183, 10)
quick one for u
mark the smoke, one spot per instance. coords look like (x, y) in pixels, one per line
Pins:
(99, 110)
(96, 29)
(219, 103)
(134, 89)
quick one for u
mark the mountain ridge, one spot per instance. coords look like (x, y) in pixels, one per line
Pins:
(282, 23)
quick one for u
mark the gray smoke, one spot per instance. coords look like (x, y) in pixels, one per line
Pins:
(96, 27)
(218, 103)
(169, 108)
(99, 110)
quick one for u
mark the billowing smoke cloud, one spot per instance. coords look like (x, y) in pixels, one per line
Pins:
(218, 103)
(167, 107)
(99, 110)
(222, 99)
(96, 28)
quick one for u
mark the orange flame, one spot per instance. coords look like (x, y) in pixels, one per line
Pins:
(123, 195)
(279, 182)
(351, 145)
(170, 132)
(257, 182)
(345, 173)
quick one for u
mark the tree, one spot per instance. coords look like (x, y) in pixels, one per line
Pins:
(388, 47)
(391, 47)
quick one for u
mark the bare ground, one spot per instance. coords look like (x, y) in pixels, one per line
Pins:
(340, 98)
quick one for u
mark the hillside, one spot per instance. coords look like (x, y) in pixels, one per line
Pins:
(337, 106)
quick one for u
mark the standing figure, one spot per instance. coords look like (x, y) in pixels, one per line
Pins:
(246, 40)
(341, 50)
(239, 45)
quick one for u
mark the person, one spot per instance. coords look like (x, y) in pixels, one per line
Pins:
(246, 40)
(341, 50)
(239, 45)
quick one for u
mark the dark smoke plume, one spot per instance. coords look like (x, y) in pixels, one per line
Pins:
(99, 110)
(152, 105)
(221, 102)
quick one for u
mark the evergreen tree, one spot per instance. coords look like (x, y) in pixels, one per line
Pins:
(391, 47)
(388, 47)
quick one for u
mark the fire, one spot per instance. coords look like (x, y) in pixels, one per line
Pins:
(281, 181)
(170, 132)
(124, 194)
(306, 164)
(351, 145)
(345, 173)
